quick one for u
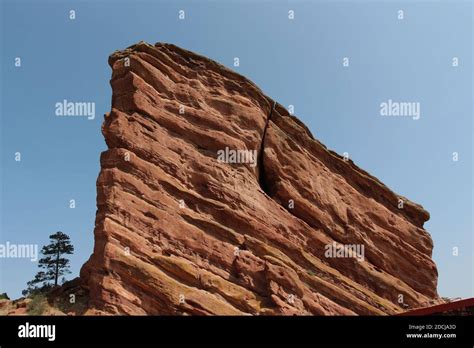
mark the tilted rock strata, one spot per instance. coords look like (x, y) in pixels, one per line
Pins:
(180, 232)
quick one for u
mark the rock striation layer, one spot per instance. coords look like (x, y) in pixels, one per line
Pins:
(181, 229)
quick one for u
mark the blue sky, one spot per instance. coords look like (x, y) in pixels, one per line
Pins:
(297, 62)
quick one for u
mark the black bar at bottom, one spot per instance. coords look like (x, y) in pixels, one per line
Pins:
(429, 330)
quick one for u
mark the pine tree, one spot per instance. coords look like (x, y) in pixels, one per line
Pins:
(53, 264)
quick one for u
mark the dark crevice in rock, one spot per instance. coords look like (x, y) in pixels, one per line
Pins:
(261, 170)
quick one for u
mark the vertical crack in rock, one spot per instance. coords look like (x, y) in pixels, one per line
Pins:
(261, 169)
(179, 232)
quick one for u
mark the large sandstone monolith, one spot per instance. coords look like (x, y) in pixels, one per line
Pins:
(182, 229)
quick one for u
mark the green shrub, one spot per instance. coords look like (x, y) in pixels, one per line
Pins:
(37, 305)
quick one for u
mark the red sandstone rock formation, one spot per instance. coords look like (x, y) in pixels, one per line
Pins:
(180, 232)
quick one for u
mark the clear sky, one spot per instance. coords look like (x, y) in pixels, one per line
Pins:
(297, 62)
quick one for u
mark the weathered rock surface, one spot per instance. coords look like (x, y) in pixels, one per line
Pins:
(180, 232)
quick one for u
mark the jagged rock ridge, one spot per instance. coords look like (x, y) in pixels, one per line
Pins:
(180, 232)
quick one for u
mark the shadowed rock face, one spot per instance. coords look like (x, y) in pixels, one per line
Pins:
(179, 231)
